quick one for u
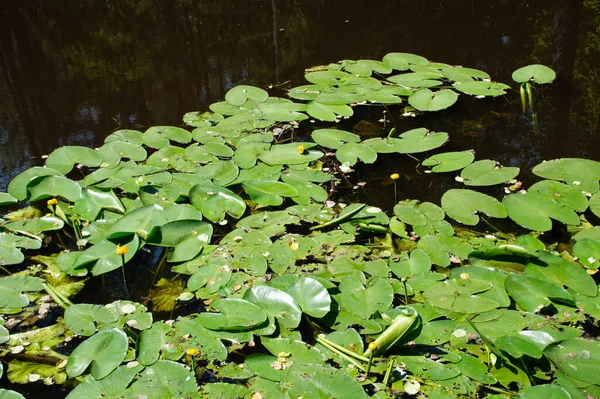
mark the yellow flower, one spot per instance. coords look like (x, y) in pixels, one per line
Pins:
(300, 149)
(192, 351)
(52, 201)
(394, 176)
(122, 249)
(373, 346)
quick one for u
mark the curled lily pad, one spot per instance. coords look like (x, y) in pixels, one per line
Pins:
(276, 303)
(215, 201)
(94, 200)
(53, 186)
(18, 185)
(536, 73)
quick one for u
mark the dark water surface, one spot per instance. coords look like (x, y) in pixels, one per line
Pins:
(73, 71)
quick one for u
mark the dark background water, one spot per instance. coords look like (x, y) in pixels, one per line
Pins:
(73, 71)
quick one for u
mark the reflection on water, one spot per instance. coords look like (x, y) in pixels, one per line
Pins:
(73, 71)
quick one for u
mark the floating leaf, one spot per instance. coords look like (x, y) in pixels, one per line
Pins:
(333, 138)
(64, 158)
(587, 251)
(349, 153)
(427, 100)
(36, 226)
(458, 295)
(130, 136)
(266, 192)
(160, 136)
(418, 140)
(111, 386)
(104, 351)
(240, 94)
(463, 205)
(290, 154)
(18, 185)
(164, 379)
(482, 88)
(578, 358)
(402, 61)
(94, 200)
(104, 255)
(53, 186)
(310, 294)
(236, 315)
(8, 394)
(276, 303)
(537, 73)
(557, 269)
(215, 201)
(328, 112)
(82, 318)
(7, 199)
(532, 294)
(583, 173)
(534, 212)
(487, 173)
(553, 190)
(362, 300)
(449, 161)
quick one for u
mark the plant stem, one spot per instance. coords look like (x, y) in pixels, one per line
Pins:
(388, 371)
(59, 298)
(338, 220)
(124, 277)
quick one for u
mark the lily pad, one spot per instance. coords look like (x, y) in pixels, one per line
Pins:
(418, 140)
(110, 387)
(215, 201)
(349, 153)
(82, 318)
(463, 205)
(482, 88)
(582, 173)
(266, 192)
(578, 358)
(566, 195)
(402, 61)
(104, 351)
(364, 300)
(53, 186)
(276, 303)
(290, 154)
(328, 112)
(18, 185)
(449, 161)
(532, 294)
(236, 315)
(534, 211)
(64, 158)
(163, 380)
(537, 73)
(487, 173)
(458, 295)
(427, 100)
(333, 138)
(94, 200)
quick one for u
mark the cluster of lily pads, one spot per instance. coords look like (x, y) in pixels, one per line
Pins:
(301, 294)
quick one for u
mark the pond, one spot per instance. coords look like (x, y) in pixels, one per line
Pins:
(73, 73)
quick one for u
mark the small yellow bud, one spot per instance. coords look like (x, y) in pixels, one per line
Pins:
(122, 249)
(373, 346)
(394, 176)
(192, 351)
(52, 201)
(465, 276)
(300, 149)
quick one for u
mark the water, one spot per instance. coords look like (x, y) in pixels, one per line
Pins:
(71, 72)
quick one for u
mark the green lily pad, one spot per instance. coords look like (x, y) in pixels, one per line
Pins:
(458, 295)
(104, 351)
(537, 73)
(276, 303)
(578, 358)
(327, 78)
(36, 226)
(126, 135)
(163, 380)
(8, 394)
(409, 265)
(587, 251)
(53, 186)
(534, 211)
(113, 152)
(215, 201)
(581, 173)
(94, 200)
(104, 256)
(306, 189)
(474, 369)
(64, 158)
(532, 294)
(307, 92)
(348, 154)
(12, 288)
(240, 94)
(487, 173)
(290, 154)
(236, 315)
(517, 347)
(266, 192)
(559, 270)
(463, 205)
(482, 88)
(417, 140)
(566, 195)
(18, 185)
(364, 300)
(110, 387)
(7, 199)
(402, 61)
(138, 221)
(82, 318)
(333, 138)
(427, 100)
(449, 161)
(417, 79)
(160, 136)
(328, 112)
(309, 293)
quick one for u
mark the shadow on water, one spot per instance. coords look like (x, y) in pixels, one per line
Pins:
(73, 71)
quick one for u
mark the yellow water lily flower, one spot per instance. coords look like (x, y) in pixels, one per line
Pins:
(300, 149)
(394, 176)
(52, 201)
(192, 351)
(373, 346)
(122, 250)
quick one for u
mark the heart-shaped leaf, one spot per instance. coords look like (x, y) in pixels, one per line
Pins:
(276, 303)
(214, 201)
(402, 61)
(164, 379)
(362, 300)
(566, 195)
(18, 185)
(449, 161)
(266, 192)
(333, 138)
(36, 226)
(160, 136)
(240, 94)
(82, 318)
(104, 351)
(236, 315)
(537, 73)
(458, 295)
(487, 173)
(290, 154)
(348, 154)
(463, 205)
(578, 358)
(111, 386)
(64, 158)
(53, 186)
(532, 294)
(582, 173)
(94, 200)
(534, 211)
(427, 100)
(417, 140)
(328, 112)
